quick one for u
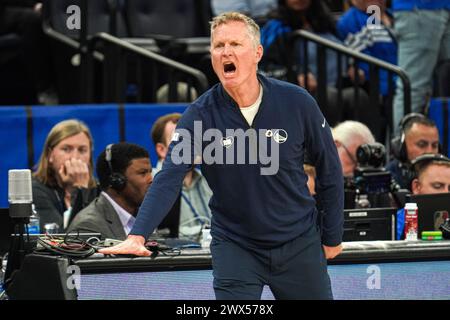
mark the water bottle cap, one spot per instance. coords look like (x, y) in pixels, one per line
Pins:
(410, 206)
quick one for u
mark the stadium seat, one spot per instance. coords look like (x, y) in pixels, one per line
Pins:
(103, 16)
(173, 18)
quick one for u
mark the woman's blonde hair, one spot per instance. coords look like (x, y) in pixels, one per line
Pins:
(59, 132)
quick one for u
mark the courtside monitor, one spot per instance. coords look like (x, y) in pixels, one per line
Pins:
(369, 224)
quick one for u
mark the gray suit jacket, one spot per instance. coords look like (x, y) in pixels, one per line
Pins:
(100, 216)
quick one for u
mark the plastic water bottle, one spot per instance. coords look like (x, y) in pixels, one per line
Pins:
(411, 225)
(206, 237)
(34, 225)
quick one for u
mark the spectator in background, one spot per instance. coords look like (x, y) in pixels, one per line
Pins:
(348, 136)
(113, 212)
(419, 135)
(376, 40)
(419, 55)
(63, 183)
(24, 18)
(284, 61)
(432, 175)
(257, 9)
(195, 193)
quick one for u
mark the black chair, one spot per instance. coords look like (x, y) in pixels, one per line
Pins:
(103, 16)
(177, 29)
(173, 18)
(15, 88)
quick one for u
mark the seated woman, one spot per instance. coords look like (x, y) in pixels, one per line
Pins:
(63, 183)
(283, 60)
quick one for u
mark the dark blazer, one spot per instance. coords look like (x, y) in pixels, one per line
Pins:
(49, 202)
(100, 216)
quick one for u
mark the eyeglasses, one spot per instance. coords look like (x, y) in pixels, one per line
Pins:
(349, 154)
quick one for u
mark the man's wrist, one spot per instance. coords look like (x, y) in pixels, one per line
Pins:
(136, 238)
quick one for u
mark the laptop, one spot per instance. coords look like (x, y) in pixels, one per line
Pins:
(433, 210)
(370, 224)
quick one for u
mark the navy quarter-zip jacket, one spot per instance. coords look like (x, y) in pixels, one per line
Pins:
(256, 210)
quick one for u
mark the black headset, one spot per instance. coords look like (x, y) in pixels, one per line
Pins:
(428, 157)
(398, 145)
(117, 181)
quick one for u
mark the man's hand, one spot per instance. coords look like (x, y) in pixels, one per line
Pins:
(132, 245)
(74, 173)
(332, 252)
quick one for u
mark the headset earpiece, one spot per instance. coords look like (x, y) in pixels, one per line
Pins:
(425, 158)
(398, 145)
(117, 181)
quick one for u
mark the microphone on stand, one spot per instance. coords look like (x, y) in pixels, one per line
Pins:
(20, 200)
(20, 196)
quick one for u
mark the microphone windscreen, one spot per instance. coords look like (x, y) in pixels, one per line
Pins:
(19, 186)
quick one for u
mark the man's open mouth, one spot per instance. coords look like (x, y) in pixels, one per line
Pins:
(229, 68)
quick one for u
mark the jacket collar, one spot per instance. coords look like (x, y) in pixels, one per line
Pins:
(106, 209)
(230, 103)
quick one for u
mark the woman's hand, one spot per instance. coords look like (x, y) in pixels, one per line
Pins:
(74, 173)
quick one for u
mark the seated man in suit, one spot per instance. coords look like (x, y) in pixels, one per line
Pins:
(124, 172)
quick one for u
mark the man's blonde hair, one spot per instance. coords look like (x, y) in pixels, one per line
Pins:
(252, 27)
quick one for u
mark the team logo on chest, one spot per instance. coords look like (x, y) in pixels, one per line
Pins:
(280, 136)
(227, 142)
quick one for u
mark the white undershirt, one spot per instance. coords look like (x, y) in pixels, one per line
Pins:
(250, 112)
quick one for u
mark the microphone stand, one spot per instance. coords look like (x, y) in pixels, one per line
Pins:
(17, 250)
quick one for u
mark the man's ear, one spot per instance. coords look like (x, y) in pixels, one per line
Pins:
(259, 53)
(161, 150)
(415, 186)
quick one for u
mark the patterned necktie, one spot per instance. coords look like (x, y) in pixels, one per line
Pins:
(131, 223)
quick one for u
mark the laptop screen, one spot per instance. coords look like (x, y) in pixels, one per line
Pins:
(433, 210)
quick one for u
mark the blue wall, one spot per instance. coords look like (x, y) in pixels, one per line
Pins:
(103, 121)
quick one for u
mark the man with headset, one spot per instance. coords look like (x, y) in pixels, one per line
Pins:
(419, 135)
(124, 173)
(431, 175)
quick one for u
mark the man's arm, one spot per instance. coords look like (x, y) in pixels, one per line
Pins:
(165, 188)
(330, 188)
